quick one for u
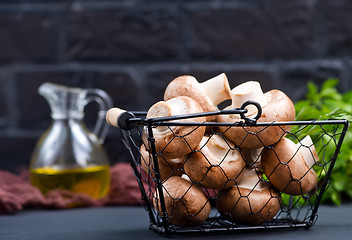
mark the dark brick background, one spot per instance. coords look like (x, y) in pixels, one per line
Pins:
(132, 49)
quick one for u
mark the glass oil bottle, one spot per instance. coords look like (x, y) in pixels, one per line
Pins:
(68, 155)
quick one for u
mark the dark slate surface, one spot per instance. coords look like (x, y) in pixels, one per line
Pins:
(132, 223)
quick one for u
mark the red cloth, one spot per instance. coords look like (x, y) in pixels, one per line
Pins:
(16, 192)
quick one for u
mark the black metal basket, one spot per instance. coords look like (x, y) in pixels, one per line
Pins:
(298, 211)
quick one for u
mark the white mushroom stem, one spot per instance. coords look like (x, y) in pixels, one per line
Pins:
(307, 149)
(113, 115)
(250, 180)
(217, 145)
(218, 148)
(186, 177)
(250, 90)
(217, 89)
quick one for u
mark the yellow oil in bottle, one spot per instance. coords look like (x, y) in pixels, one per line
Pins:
(93, 180)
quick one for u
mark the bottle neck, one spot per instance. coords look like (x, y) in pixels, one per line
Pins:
(76, 115)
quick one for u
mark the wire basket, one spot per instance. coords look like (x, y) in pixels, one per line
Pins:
(281, 208)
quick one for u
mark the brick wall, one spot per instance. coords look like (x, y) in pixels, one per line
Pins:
(132, 49)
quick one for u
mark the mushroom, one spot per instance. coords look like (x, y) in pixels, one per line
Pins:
(289, 166)
(175, 141)
(185, 203)
(252, 202)
(167, 167)
(276, 106)
(208, 94)
(216, 163)
(252, 157)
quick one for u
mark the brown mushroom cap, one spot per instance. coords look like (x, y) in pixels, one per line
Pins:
(252, 202)
(252, 156)
(167, 167)
(217, 164)
(176, 141)
(288, 167)
(279, 107)
(208, 94)
(185, 203)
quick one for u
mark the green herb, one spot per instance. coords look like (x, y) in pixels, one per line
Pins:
(323, 104)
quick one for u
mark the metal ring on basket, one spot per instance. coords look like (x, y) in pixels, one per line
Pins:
(251, 121)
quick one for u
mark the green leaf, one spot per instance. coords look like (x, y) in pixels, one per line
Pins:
(312, 93)
(347, 97)
(330, 83)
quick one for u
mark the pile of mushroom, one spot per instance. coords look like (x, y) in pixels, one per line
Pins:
(229, 159)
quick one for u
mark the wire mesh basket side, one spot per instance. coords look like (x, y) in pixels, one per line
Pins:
(299, 210)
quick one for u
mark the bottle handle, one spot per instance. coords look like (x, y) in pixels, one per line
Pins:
(105, 103)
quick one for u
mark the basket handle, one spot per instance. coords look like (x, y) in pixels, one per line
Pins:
(123, 119)
(118, 117)
(113, 115)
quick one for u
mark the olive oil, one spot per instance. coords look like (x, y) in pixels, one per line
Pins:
(93, 180)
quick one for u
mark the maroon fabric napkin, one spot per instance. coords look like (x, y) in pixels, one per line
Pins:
(16, 192)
